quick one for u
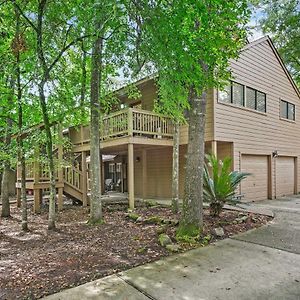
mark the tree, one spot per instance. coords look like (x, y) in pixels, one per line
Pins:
(110, 25)
(47, 18)
(191, 50)
(281, 19)
(7, 117)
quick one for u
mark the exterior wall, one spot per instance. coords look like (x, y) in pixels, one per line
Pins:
(253, 132)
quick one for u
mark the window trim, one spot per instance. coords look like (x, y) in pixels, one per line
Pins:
(244, 98)
(286, 118)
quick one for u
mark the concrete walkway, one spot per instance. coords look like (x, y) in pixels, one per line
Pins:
(260, 264)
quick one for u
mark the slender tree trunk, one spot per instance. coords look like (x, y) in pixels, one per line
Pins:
(96, 206)
(83, 80)
(5, 212)
(49, 144)
(21, 157)
(192, 213)
(47, 127)
(175, 169)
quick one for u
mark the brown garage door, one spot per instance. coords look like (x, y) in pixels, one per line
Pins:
(255, 186)
(285, 175)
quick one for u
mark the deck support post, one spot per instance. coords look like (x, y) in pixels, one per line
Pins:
(60, 172)
(131, 176)
(18, 184)
(214, 148)
(175, 169)
(102, 175)
(36, 180)
(18, 197)
(84, 178)
(144, 170)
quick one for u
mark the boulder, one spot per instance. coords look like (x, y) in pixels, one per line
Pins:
(219, 231)
(173, 247)
(164, 240)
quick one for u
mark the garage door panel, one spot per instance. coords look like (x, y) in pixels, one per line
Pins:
(255, 186)
(285, 176)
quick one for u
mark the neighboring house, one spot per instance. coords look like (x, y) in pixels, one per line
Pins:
(255, 120)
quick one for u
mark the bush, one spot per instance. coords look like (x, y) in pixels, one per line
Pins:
(220, 186)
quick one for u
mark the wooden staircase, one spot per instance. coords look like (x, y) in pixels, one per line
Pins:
(69, 182)
(73, 184)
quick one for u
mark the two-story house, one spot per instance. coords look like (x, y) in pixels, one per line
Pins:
(255, 121)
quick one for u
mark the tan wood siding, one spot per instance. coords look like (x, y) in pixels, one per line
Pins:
(255, 186)
(253, 132)
(285, 176)
(159, 173)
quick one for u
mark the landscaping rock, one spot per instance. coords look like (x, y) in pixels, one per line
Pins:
(164, 240)
(153, 220)
(241, 219)
(139, 219)
(173, 247)
(162, 229)
(219, 231)
(133, 216)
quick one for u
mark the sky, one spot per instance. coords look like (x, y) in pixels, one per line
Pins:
(255, 33)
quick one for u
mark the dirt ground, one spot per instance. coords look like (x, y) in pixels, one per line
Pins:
(38, 262)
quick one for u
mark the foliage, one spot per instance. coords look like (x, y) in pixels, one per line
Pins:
(188, 233)
(220, 186)
(281, 19)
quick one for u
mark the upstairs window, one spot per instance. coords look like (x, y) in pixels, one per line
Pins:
(255, 99)
(241, 95)
(237, 94)
(287, 110)
(225, 94)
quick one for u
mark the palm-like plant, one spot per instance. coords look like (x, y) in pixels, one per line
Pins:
(220, 183)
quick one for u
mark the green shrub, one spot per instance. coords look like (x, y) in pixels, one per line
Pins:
(220, 186)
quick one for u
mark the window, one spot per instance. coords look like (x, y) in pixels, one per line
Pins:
(225, 95)
(287, 110)
(250, 96)
(237, 94)
(240, 95)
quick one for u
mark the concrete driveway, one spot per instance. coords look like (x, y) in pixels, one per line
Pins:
(260, 264)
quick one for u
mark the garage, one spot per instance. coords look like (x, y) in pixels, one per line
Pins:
(255, 186)
(285, 175)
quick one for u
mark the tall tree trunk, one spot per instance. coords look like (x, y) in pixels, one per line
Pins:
(175, 169)
(42, 98)
(21, 157)
(96, 206)
(192, 214)
(83, 80)
(49, 150)
(5, 212)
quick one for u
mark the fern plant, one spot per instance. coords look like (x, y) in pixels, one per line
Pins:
(220, 183)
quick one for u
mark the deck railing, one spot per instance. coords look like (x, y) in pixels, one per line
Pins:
(136, 122)
(73, 177)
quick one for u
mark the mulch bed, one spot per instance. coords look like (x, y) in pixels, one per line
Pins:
(38, 262)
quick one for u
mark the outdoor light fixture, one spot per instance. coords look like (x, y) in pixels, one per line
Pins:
(275, 154)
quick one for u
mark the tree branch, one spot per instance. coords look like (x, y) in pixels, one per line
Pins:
(24, 16)
(65, 48)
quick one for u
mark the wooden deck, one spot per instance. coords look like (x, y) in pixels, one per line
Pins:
(140, 126)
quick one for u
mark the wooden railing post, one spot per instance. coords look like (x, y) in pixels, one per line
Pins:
(36, 180)
(130, 122)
